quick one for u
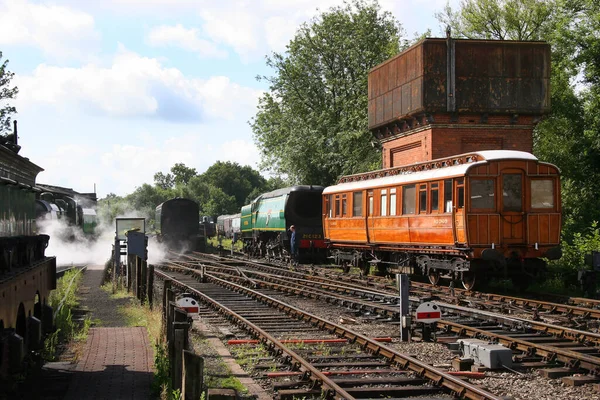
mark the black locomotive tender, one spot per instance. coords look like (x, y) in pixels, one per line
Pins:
(178, 225)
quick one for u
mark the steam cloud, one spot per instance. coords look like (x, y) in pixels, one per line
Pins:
(71, 246)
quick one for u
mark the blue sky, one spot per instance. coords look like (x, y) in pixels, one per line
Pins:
(113, 91)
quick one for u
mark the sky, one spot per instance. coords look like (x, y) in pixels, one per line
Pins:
(113, 91)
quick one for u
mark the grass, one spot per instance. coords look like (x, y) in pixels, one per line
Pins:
(248, 355)
(216, 372)
(63, 300)
(555, 285)
(226, 243)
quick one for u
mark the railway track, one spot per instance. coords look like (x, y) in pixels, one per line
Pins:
(577, 314)
(537, 344)
(271, 321)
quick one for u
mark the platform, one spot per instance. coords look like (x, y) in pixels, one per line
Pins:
(116, 364)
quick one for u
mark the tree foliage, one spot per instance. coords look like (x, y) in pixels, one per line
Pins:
(500, 19)
(164, 181)
(182, 174)
(6, 93)
(312, 124)
(222, 189)
(234, 180)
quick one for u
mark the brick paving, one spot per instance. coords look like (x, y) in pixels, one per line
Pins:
(117, 364)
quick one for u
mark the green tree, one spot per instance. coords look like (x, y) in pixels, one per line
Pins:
(6, 93)
(145, 198)
(212, 199)
(182, 174)
(164, 181)
(234, 180)
(500, 19)
(111, 207)
(312, 124)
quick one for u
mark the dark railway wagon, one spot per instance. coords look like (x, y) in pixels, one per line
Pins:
(27, 276)
(228, 225)
(178, 225)
(470, 216)
(461, 76)
(265, 222)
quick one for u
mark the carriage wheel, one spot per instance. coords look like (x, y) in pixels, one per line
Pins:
(468, 280)
(434, 277)
(346, 267)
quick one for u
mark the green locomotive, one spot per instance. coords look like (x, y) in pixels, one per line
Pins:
(265, 222)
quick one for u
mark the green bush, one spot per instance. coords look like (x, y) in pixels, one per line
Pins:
(562, 273)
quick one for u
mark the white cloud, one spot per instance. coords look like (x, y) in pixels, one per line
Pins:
(237, 26)
(60, 32)
(136, 86)
(240, 151)
(187, 39)
(120, 168)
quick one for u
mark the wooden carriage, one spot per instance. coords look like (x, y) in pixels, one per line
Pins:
(496, 211)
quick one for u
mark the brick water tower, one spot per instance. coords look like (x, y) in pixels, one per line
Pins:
(443, 97)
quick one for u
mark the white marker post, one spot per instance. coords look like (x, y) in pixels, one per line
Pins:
(428, 313)
(189, 305)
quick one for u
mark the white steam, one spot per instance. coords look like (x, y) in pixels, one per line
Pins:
(71, 246)
(157, 252)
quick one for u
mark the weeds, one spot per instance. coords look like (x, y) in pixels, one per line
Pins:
(63, 300)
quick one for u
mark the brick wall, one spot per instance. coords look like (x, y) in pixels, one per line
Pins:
(441, 140)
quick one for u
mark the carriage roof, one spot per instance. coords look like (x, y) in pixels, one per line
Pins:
(435, 169)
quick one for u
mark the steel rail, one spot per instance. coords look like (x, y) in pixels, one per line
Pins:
(539, 305)
(570, 358)
(440, 378)
(550, 353)
(556, 330)
(310, 372)
(393, 311)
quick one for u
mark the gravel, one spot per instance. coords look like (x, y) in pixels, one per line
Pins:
(527, 386)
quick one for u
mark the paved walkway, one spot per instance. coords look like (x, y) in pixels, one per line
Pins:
(117, 364)
(117, 361)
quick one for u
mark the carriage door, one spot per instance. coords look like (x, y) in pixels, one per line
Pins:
(370, 208)
(459, 211)
(512, 207)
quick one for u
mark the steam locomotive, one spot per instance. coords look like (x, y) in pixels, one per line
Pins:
(27, 275)
(265, 223)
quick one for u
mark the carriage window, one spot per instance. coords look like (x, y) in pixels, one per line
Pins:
(370, 203)
(383, 202)
(435, 200)
(542, 193)
(357, 204)
(409, 199)
(423, 198)
(393, 201)
(337, 206)
(328, 206)
(460, 186)
(448, 195)
(482, 193)
(344, 204)
(511, 192)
